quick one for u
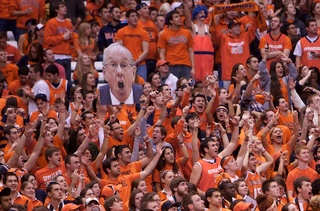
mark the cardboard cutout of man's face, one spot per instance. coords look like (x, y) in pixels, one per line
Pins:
(119, 72)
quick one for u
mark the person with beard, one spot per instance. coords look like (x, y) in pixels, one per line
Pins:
(303, 169)
(193, 202)
(303, 189)
(202, 46)
(107, 32)
(179, 189)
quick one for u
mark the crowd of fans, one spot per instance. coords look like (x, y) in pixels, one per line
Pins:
(207, 105)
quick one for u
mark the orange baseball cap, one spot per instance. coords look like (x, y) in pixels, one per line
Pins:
(242, 206)
(161, 62)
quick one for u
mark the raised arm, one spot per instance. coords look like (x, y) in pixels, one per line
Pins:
(132, 128)
(149, 168)
(267, 156)
(104, 147)
(296, 130)
(234, 139)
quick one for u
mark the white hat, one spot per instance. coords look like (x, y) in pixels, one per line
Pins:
(88, 200)
(174, 5)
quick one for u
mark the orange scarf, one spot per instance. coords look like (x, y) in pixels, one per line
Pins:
(250, 6)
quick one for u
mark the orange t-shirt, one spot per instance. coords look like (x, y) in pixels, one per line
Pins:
(152, 30)
(51, 114)
(14, 86)
(132, 39)
(38, 10)
(127, 139)
(176, 44)
(4, 10)
(53, 36)
(46, 174)
(93, 9)
(234, 47)
(286, 120)
(89, 50)
(124, 182)
(10, 72)
(279, 43)
(13, 54)
(297, 172)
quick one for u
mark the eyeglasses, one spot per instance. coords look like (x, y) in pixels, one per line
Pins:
(115, 66)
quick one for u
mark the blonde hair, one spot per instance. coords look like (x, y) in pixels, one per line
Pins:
(79, 68)
(315, 202)
(82, 37)
(164, 9)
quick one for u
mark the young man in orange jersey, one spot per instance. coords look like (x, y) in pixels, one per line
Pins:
(209, 166)
(152, 30)
(136, 39)
(173, 40)
(58, 36)
(303, 169)
(277, 42)
(307, 50)
(303, 189)
(252, 176)
(58, 87)
(10, 180)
